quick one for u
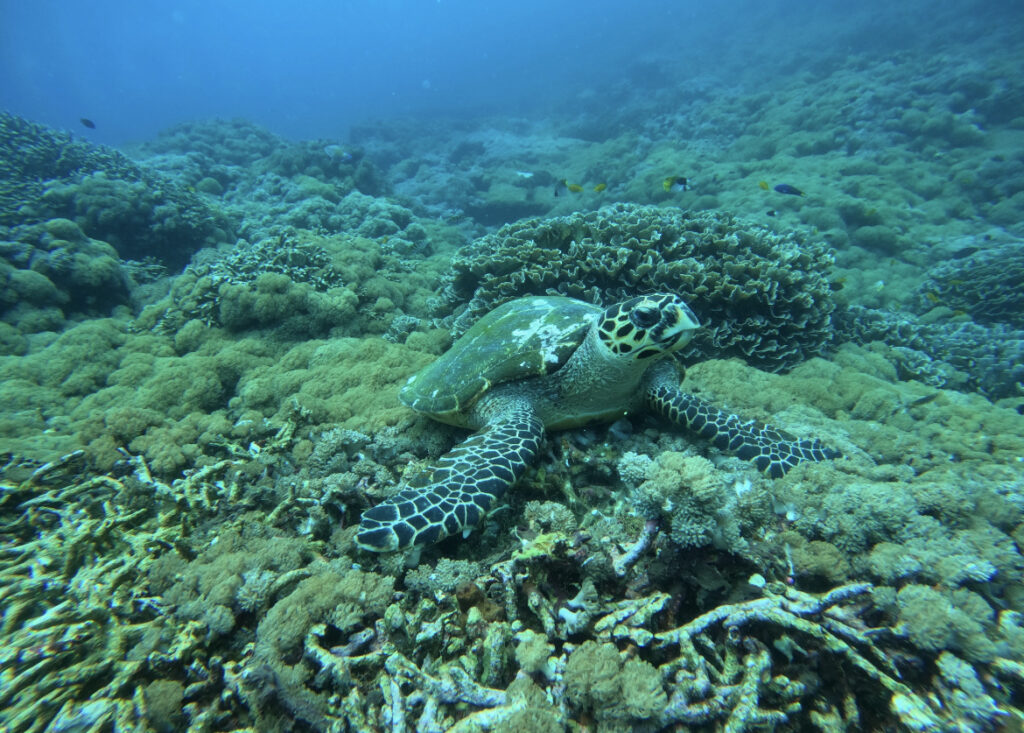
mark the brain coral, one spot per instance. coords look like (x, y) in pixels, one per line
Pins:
(761, 296)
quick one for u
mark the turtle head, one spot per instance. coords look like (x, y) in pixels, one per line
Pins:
(648, 326)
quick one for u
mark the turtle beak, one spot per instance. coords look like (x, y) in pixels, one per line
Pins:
(679, 332)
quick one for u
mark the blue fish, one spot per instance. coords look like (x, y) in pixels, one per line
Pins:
(337, 151)
(791, 190)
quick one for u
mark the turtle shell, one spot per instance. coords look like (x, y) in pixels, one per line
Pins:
(523, 338)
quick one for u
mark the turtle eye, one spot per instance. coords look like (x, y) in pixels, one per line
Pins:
(644, 317)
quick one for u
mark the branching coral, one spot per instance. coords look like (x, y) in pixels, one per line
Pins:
(85, 637)
(79, 633)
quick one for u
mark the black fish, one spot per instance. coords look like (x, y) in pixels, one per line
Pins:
(964, 252)
(791, 190)
(88, 123)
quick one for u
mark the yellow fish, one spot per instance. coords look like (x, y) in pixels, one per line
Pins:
(575, 187)
(763, 185)
(675, 184)
(600, 187)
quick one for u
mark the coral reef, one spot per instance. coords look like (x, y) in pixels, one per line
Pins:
(271, 185)
(299, 285)
(954, 353)
(48, 174)
(185, 456)
(762, 297)
(332, 645)
(985, 284)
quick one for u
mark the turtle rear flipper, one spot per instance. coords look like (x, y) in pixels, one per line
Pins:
(461, 488)
(772, 450)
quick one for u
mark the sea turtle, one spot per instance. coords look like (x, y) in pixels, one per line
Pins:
(545, 363)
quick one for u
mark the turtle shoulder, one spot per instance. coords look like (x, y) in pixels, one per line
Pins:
(523, 338)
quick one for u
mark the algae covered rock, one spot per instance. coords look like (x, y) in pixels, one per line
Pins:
(761, 296)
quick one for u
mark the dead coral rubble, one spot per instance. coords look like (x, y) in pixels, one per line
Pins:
(79, 637)
(331, 646)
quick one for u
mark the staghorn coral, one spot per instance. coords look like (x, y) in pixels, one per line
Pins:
(79, 632)
(761, 296)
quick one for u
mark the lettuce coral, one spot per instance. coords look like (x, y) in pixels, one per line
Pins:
(761, 296)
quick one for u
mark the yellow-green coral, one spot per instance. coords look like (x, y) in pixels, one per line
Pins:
(616, 691)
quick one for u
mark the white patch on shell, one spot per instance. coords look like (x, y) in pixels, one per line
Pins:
(547, 336)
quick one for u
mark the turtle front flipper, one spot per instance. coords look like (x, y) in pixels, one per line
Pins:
(460, 489)
(772, 450)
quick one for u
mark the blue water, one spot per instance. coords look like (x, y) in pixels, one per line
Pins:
(309, 68)
(313, 68)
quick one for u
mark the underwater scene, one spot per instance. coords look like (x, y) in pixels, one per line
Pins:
(461, 366)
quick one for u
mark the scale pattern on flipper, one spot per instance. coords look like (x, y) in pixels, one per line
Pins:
(461, 488)
(772, 450)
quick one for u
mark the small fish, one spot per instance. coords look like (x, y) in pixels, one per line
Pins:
(675, 184)
(565, 187)
(525, 174)
(787, 189)
(339, 152)
(771, 212)
(600, 187)
(763, 185)
(964, 252)
(932, 297)
(922, 400)
(87, 123)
